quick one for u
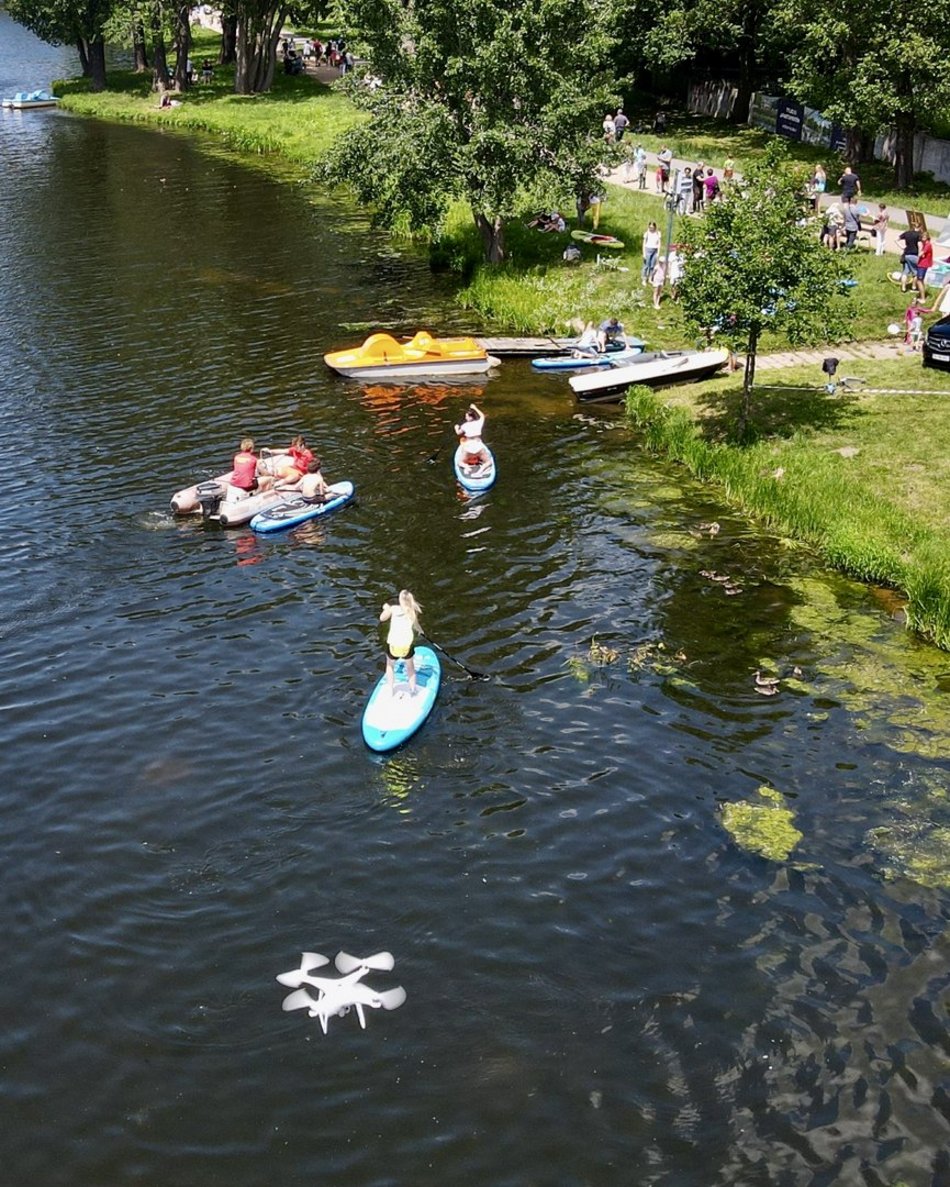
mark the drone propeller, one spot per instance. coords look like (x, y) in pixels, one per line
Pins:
(383, 961)
(300, 999)
(308, 961)
(392, 999)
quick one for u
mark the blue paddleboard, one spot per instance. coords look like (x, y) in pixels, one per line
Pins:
(571, 362)
(287, 513)
(388, 720)
(475, 478)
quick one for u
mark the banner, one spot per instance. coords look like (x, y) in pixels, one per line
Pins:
(789, 117)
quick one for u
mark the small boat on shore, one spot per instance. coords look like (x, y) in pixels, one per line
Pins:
(23, 100)
(474, 478)
(382, 357)
(654, 369)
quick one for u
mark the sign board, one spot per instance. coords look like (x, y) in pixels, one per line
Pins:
(789, 118)
(916, 220)
(837, 141)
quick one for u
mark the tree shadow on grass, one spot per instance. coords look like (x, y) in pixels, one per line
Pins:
(776, 412)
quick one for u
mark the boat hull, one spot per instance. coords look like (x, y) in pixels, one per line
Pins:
(389, 720)
(397, 372)
(477, 478)
(654, 370)
(186, 501)
(284, 512)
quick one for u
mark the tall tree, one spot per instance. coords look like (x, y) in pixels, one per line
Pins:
(479, 101)
(875, 67)
(70, 22)
(752, 267)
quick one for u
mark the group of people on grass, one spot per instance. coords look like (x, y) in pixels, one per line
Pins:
(658, 269)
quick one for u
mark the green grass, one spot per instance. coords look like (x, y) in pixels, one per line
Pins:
(297, 120)
(879, 513)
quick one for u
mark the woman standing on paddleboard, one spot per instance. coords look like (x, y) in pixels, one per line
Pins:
(403, 619)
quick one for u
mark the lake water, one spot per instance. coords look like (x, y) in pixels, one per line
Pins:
(603, 987)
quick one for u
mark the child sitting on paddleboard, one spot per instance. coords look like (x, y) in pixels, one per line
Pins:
(470, 433)
(403, 619)
(312, 485)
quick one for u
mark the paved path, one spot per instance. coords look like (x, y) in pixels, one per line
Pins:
(855, 351)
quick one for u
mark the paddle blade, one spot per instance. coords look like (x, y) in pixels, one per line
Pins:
(300, 999)
(383, 961)
(392, 999)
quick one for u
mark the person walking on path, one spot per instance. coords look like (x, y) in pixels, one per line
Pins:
(620, 124)
(850, 184)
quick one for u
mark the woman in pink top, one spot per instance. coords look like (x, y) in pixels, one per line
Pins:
(711, 186)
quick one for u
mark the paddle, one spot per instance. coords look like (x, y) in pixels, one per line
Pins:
(472, 675)
(435, 453)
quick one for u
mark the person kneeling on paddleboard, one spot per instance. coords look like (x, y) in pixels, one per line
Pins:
(403, 619)
(469, 433)
(610, 334)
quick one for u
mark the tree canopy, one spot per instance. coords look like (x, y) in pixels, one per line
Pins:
(70, 22)
(480, 102)
(753, 265)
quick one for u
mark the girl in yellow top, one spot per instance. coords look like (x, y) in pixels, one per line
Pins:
(403, 619)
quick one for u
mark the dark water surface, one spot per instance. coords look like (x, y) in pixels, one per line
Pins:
(602, 987)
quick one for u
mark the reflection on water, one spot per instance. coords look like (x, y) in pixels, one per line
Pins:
(603, 985)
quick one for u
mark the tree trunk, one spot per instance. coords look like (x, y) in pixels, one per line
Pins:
(258, 31)
(904, 130)
(159, 57)
(492, 232)
(182, 46)
(139, 55)
(748, 65)
(83, 57)
(96, 55)
(228, 39)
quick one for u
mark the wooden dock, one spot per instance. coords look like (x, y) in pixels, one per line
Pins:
(525, 348)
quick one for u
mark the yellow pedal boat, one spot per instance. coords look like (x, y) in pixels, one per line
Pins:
(382, 357)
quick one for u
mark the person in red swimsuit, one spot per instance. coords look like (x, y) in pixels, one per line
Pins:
(244, 467)
(298, 463)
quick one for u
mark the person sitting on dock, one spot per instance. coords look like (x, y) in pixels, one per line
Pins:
(469, 433)
(610, 335)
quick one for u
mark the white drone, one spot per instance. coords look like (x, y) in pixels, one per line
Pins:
(338, 995)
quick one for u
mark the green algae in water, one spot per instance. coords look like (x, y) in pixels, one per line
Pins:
(915, 849)
(763, 826)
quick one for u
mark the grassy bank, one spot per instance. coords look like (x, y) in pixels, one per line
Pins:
(297, 121)
(861, 476)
